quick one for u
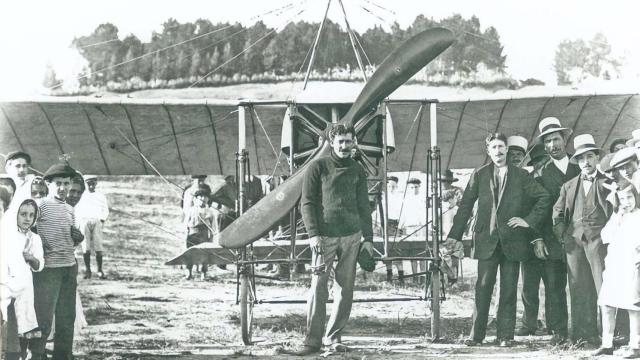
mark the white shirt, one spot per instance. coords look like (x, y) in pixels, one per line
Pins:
(23, 189)
(586, 185)
(562, 164)
(92, 205)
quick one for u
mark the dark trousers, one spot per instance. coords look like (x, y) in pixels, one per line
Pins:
(506, 317)
(585, 265)
(553, 273)
(55, 293)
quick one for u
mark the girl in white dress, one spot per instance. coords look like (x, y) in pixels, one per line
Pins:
(621, 277)
(21, 254)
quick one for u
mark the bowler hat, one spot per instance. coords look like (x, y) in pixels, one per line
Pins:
(536, 153)
(414, 181)
(59, 170)
(582, 144)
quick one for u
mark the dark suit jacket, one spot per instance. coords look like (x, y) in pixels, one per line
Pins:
(552, 180)
(564, 206)
(522, 196)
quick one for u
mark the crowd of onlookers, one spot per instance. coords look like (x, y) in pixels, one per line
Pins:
(571, 218)
(45, 221)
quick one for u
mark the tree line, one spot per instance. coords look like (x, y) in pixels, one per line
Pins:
(258, 53)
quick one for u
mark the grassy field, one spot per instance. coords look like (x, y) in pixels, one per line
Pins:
(145, 309)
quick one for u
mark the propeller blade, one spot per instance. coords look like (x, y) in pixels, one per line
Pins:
(395, 70)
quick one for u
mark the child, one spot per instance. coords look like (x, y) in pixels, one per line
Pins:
(21, 255)
(621, 277)
(39, 189)
(201, 224)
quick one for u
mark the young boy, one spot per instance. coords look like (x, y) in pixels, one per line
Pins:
(92, 210)
(55, 286)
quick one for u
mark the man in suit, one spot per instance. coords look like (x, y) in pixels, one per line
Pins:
(578, 217)
(549, 262)
(501, 234)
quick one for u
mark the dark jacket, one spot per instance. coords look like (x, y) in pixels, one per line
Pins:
(522, 197)
(564, 208)
(335, 200)
(552, 180)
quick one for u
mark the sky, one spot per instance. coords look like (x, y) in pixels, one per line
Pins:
(34, 33)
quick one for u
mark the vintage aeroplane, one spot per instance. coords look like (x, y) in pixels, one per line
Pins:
(171, 137)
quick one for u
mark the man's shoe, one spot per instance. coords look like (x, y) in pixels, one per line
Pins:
(339, 347)
(472, 342)
(188, 277)
(524, 331)
(303, 351)
(603, 351)
(101, 275)
(87, 275)
(558, 339)
(505, 342)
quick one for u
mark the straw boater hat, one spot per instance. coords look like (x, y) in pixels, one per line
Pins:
(536, 153)
(90, 178)
(414, 181)
(635, 139)
(448, 176)
(623, 156)
(605, 164)
(518, 143)
(550, 125)
(582, 144)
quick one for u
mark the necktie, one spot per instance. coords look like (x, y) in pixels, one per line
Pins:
(588, 178)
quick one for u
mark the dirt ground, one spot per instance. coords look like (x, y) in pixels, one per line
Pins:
(145, 309)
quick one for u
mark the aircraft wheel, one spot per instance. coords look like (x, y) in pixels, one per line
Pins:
(247, 301)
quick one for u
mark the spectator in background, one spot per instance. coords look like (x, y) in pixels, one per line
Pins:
(516, 150)
(451, 198)
(538, 158)
(189, 190)
(413, 218)
(17, 167)
(39, 189)
(625, 164)
(617, 145)
(200, 220)
(92, 211)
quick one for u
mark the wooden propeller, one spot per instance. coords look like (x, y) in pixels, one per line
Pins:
(395, 70)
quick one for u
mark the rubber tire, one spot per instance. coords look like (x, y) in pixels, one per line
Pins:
(246, 309)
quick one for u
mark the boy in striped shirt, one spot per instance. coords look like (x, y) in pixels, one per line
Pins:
(55, 286)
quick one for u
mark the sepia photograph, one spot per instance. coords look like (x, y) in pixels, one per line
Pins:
(347, 179)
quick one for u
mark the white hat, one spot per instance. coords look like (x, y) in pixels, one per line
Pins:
(623, 156)
(635, 139)
(90, 177)
(582, 144)
(549, 125)
(519, 142)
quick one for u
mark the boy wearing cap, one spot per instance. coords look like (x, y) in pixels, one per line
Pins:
(579, 215)
(553, 138)
(55, 286)
(93, 211)
(187, 195)
(201, 222)
(17, 167)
